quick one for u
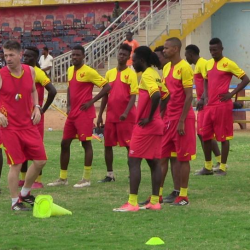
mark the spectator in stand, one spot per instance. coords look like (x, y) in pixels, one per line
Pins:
(133, 44)
(102, 28)
(46, 61)
(2, 61)
(117, 11)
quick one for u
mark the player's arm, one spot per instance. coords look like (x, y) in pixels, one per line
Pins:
(104, 91)
(163, 105)
(134, 90)
(186, 108)
(104, 102)
(51, 96)
(130, 105)
(48, 67)
(3, 118)
(99, 81)
(36, 114)
(155, 99)
(68, 101)
(240, 86)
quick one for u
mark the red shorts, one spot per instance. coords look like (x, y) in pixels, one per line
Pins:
(200, 118)
(145, 146)
(40, 126)
(181, 146)
(218, 123)
(80, 127)
(23, 145)
(118, 133)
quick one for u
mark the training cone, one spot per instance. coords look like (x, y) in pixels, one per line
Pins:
(155, 241)
(44, 207)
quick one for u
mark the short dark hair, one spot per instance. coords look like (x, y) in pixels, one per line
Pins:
(176, 41)
(45, 48)
(12, 45)
(130, 32)
(34, 49)
(159, 49)
(126, 47)
(79, 47)
(193, 49)
(214, 41)
(146, 54)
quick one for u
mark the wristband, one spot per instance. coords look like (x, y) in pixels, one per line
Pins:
(38, 106)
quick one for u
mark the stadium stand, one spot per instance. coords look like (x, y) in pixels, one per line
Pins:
(59, 29)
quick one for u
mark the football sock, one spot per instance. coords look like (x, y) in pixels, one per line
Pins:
(39, 179)
(132, 199)
(223, 167)
(154, 199)
(160, 191)
(218, 158)
(23, 175)
(208, 165)
(183, 192)
(14, 201)
(110, 174)
(25, 191)
(63, 174)
(86, 173)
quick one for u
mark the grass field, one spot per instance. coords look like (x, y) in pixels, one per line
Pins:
(217, 217)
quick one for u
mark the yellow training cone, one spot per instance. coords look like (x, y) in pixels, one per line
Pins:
(44, 207)
(57, 210)
(155, 241)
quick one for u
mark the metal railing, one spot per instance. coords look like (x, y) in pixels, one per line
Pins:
(137, 26)
(96, 49)
(105, 47)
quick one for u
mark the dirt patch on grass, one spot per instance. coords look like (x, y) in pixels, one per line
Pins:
(56, 120)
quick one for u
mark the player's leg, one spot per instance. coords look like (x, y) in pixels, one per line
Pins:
(135, 157)
(186, 151)
(207, 136)
(175, 170)
(164, 171)
(217, 154)
(1, 164)
(24, 169)
(182, 199)
(224, 133)
(134, 183)
(88, 150)
(156, 178)
(38, 182)
(33, 148)
(69, 133)
(225, 146)
(64, 162)
(13, 177)
(110, 137)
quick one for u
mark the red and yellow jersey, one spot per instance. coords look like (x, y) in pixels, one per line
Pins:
(81, 84)
(199, 76)
(219, 75)
(15, 98)
(176, 79)
(123, 85)
(41, 81)
(150, 83)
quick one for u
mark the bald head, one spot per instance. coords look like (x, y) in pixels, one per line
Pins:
(175, 42)
(172, 48)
